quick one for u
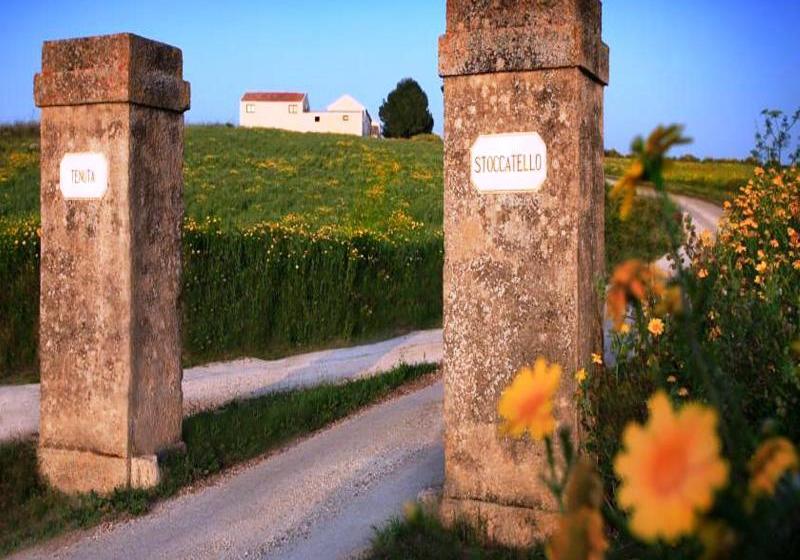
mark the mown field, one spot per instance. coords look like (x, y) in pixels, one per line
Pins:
(715, 181)
(292, 242)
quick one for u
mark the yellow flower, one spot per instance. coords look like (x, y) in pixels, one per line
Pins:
(632, 280)
(656, 327)
(581, 375)
(625, 188)
(579, 536)
(625, 328)
(761, 267)
(597, 359)
(527, 405)
(702, 273)
(775, 457)
(670, 469)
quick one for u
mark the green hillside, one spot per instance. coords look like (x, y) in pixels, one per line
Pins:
(292, 241)
(244, 177)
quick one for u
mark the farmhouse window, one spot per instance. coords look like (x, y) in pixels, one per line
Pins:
(316, 119)
(250, 108)
(345, 117)
(293, 109)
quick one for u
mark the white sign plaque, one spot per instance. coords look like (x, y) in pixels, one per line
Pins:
(84, 176)
(502, 163)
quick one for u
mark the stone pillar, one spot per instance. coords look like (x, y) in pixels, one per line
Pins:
(524, 245)
(112, 211)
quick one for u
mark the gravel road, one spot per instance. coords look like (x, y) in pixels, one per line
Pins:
(320, 499)
(211, 386)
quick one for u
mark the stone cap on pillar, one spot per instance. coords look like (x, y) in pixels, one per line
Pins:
(487, 36)
(121, 68)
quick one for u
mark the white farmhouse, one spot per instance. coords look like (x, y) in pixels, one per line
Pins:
(290, 111)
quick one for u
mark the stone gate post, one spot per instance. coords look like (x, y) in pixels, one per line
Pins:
(524, 247)
(112, 210)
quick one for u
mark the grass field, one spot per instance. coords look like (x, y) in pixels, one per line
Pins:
(246, 177)
(215, 441)
(715, 181)
(292, 242)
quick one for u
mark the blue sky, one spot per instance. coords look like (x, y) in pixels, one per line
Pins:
(709, 64)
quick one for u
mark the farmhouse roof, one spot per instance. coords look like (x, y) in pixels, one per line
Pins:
(346, 103)
(273, 96)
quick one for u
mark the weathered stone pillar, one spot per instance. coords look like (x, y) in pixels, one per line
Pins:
(523, 237)
(111, 195)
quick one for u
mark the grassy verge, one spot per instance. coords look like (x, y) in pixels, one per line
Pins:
(642, 236)
(715, 181)
(421, 535)
(217, 440)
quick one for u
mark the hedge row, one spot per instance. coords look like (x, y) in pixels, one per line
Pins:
(265, 291)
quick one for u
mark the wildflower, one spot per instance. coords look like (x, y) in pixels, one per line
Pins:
(632, 280)
(581, 375)
(772, 460)
(670, 469)
(672, 379)
(597, 359)
(649, 163)
(683, 392)
(625, 188)
(625, 328)
(656, 327)
(671, 302)
(761, 267)
(527, 405)
(702, 273)
(578, 535)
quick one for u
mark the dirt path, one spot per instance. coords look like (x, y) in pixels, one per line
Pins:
(319, 499)
(211, 386)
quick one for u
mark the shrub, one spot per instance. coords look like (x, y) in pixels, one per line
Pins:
(405, 111)
(263, 291)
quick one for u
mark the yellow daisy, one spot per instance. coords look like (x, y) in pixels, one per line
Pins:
(775, 456)
(527, 405)
(670, 469)
(656, 327)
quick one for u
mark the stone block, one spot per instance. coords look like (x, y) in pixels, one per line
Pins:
(110, 333)
(520, 267)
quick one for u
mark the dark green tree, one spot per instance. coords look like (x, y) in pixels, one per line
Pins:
(405, 112)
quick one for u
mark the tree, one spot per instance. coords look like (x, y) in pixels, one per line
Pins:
(405, 112)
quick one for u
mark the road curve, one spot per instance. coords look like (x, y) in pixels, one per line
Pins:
(211, 386)
(319, 499)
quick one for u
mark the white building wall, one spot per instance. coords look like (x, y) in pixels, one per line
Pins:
(273, 114)
(278, 115)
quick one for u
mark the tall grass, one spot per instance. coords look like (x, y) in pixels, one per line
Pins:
(271, 289)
